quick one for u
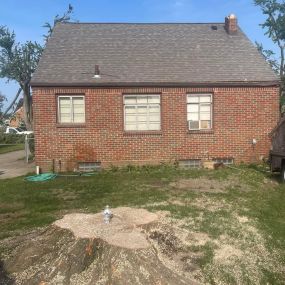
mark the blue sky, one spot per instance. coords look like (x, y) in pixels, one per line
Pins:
(27, 17)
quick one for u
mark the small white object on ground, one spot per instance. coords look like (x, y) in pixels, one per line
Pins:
(107, 215)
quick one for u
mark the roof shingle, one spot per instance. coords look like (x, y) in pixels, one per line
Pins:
(149, 54)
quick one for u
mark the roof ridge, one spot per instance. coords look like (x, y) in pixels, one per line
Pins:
(145, 23)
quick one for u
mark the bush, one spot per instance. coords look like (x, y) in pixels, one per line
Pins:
(11, 138)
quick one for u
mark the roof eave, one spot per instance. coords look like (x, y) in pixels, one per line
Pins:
(160, 84)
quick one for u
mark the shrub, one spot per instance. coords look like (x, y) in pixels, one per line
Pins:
(11, 138)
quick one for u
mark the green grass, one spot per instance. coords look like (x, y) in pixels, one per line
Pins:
(10, 148)
(256, 195)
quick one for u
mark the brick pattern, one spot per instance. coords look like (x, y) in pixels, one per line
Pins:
(239, 115)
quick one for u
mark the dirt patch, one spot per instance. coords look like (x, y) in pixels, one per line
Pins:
(198, 238)
(227, 252)
(207, 185)
(199, 185)
(242, 219)
(211, 204)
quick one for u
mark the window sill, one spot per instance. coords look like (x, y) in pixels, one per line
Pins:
(142, 133)
(211, 131)
(58, 125)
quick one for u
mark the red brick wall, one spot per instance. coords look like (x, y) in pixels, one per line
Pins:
(239, 115)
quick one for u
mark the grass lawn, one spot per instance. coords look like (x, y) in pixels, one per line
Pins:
(237, 217)
(9, 148)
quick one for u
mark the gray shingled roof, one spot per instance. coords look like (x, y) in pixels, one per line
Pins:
(149, 54)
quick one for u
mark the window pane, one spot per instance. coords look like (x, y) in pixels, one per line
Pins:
(192, 99)
(78, 118)
(64, 110)
(192, 108)
(131, 127)
(64, 101)
(131, 118)
(154, 108)
(141, 99)
(154, 126)
(193, 116)
(142, 118)
(206, 98)
(154, 118)
(65, 118)
(78, 101)
(142, 126)
(130, 99)
(142, 109)
(78, 109)
(194, 124)
(205, 108)
(205, 116)
(130, 109)
(205, 124)
(154, 99)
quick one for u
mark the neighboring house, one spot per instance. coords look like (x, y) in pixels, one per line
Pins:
(17, 119)
(158, 93)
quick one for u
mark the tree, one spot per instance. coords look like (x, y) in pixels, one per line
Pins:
(19, 61)
(2, 100)
(66, 17)
(274, 26)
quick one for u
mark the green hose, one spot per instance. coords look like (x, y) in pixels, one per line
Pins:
(41, 177)
(50, 176)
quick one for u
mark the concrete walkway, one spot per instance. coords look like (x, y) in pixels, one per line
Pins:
(12, 164)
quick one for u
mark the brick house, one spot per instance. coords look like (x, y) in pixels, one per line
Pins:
(150, 93)
(18, 118)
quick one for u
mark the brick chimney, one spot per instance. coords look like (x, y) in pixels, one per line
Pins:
(231, 24)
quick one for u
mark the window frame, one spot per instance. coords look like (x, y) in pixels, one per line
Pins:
(142, 104)
(71, 96)
(199, 95)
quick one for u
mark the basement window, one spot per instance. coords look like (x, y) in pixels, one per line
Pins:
(89, 166)
(225, 161)
(190, 163)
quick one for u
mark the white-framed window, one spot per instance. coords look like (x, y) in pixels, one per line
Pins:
(71, 109)
(142, 112)
(199, 111)
(190, 163)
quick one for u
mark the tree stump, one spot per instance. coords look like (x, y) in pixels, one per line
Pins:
(81, 249)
